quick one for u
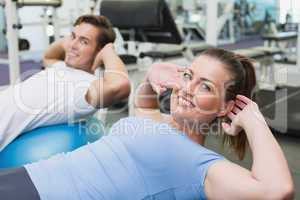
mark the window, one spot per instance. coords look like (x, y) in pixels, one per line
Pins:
(291, 7)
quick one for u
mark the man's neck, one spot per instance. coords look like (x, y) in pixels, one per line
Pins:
(86, 69)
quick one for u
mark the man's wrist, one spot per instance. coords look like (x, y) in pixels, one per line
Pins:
(108, 55)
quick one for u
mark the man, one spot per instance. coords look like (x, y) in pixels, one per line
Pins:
(67, 89)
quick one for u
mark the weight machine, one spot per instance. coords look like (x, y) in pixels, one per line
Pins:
(12, 29)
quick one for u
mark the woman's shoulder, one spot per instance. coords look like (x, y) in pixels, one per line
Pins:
(142, 124)
(161, 130)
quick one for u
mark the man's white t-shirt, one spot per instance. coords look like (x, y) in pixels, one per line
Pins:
(53, 96)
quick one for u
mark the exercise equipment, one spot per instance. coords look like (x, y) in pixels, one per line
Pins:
(197, 17)
(243, 17)
(281, 109)
(149, 35)
(144, 39)
(193, 32)
(264, 60)
(23, 44)
(12, 28)
(191, 19)
(275, 38)
(44, 142)
(298, 47)
(3, 45)
(54, 3)
(159, 29)
(286, 41)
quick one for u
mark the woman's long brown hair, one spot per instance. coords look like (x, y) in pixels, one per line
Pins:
(243, 82)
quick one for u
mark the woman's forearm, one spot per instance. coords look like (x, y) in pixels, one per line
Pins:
(160, 77)
(145, 96)
(269, 164)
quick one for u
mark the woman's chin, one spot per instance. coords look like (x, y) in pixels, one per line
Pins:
(181, 114)
(192, 115)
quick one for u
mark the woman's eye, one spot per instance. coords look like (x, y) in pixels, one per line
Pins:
(187, 76)
(84, 42)
(205, 87)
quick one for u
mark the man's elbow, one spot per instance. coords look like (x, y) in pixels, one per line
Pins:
(122, 90)
(114, 92)
(47, 62)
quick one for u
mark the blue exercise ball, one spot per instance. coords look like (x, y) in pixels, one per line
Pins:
(44, 142)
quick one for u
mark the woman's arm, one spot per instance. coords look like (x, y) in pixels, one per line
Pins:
(146, 96)
(269, 177)
(158, 79)
(146, 102)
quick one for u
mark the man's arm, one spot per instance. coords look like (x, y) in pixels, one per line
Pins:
(54, 53)
(114, 85)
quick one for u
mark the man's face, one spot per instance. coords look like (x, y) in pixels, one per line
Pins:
(81, 46)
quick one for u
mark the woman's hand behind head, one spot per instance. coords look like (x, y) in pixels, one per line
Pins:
(242, 112)
(163, 76)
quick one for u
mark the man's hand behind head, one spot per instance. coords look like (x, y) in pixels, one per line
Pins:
(104, 53)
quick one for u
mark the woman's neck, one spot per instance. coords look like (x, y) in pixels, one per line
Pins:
(194, 135)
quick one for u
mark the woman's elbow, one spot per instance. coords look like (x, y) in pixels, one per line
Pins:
(288, 192)
(284, 191)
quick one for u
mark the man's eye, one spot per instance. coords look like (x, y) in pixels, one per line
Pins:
(187, 76)
(84, 42)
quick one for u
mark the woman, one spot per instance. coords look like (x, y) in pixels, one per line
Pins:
(155, 156)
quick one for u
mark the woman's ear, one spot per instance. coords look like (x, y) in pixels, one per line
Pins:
(99, 47)
(228, 108)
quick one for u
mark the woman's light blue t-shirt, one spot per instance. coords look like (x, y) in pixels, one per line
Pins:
(139, 159)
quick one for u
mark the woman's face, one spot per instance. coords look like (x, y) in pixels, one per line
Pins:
(201, 98)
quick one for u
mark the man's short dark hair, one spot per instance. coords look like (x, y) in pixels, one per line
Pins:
(107, 34)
